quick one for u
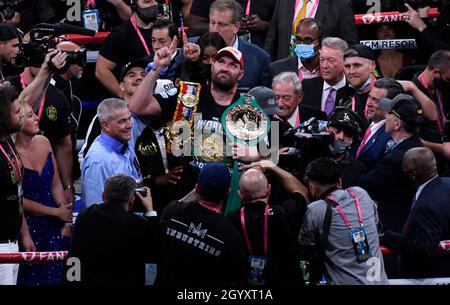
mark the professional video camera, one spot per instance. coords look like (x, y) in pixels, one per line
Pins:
(42, 38)
(9, 7)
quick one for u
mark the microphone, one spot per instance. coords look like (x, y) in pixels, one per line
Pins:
(63, 28)
(292, 130)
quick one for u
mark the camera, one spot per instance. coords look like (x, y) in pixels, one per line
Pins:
(142, 191)
(42, 38)
(9, 7)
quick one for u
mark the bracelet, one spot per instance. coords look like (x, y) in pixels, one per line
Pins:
(151, 214)
(152, 67)
(68, 186)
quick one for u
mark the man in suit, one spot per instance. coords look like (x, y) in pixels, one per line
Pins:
(336, 17)
(428, 222)
(225, 16)
(386, 182)
(330, 90)
(371, 150)
(305, 61)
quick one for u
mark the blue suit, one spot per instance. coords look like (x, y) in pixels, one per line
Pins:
(256, 66)
(374, 149)
(428, 223)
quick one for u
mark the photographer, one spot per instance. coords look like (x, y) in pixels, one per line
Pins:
(111, 243)
(52, 108)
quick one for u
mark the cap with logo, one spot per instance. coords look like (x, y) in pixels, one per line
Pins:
(360, 50)
(142, 63)
(405, 107)
(235, 54)
(344, 117)
(265, 97)
(215, 178)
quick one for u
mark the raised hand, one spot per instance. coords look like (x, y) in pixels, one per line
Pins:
(191, 51)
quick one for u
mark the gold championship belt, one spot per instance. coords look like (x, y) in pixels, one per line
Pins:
(183, 117)
(245, 121)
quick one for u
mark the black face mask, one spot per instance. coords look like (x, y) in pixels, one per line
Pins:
(148, 14)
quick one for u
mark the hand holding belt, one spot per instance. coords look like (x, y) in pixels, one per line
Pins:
(184, 115)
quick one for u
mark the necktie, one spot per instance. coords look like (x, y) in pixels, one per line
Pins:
(329, 102)
(301, 15)
(124, 148)
(364, 141)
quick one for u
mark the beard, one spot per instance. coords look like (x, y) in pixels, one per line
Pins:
(223, 84)
(13, 128)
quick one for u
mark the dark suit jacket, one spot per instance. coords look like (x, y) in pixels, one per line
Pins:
(373, 151)
(289, 64)
(313, 89)
(336, 17)
(101, 236)
(428, 224)
(390, 187)
(256, 66)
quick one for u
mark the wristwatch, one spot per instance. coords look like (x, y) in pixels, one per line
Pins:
(68, 187)
(151, 214)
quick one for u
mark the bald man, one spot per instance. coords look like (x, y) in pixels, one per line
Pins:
(279, 264)
(63, 81)
(429, 219)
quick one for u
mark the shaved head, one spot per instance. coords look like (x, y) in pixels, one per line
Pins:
(68, 46)
(421, 162)
(253, 185)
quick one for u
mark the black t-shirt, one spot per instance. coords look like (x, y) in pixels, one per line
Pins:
(282, 266)
(199, 248)
(124, 45)
(209, 126)
(54, 123)
(11, 206)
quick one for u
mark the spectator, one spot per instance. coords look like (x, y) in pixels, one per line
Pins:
(359, 65)
(390, 61)
(330, 90)
(45, 203)
(335, 16)
(129, 41)
(386, 182)
(213, 251)
(12, 219)
(373, 145)
(326, 225)
(9, 44)
(305, 61)
(103, 232)
(276, 246)
(225, 16)
(63, 81)
(428, 220)
(53, 111)
(119, 132)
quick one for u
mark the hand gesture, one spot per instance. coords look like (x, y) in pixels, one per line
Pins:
(407, 85)
(245, 153)
(256, 24)
(413, 19)
(164, 55)
(191, 51)
(171, 178)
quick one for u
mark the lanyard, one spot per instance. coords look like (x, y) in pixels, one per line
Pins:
(17, 165)
(341, 211)
(297, 119)
(42, 102)
(247, 9)
(441, 120)
(209, 207)
(89, 3)
(133, 22)
(266, 229)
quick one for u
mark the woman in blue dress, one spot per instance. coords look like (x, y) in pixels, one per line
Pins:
(45, 205)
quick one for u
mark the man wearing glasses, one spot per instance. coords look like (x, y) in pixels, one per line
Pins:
(305, 61)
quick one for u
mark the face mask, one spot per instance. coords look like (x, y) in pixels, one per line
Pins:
(338, 148)
(305, 52)
(148, 14)
(363, 86)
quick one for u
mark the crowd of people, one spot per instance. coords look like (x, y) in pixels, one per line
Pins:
(241, 143)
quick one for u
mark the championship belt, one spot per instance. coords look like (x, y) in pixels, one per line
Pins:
(183, 117)
(245, 121)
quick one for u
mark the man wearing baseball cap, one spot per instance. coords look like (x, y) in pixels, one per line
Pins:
(386, 182)
(199, 247)
(359, 65)
(9, 44)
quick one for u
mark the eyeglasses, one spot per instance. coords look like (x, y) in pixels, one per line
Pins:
(307, 40)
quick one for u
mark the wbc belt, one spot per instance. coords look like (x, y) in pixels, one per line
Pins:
(183, 116)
